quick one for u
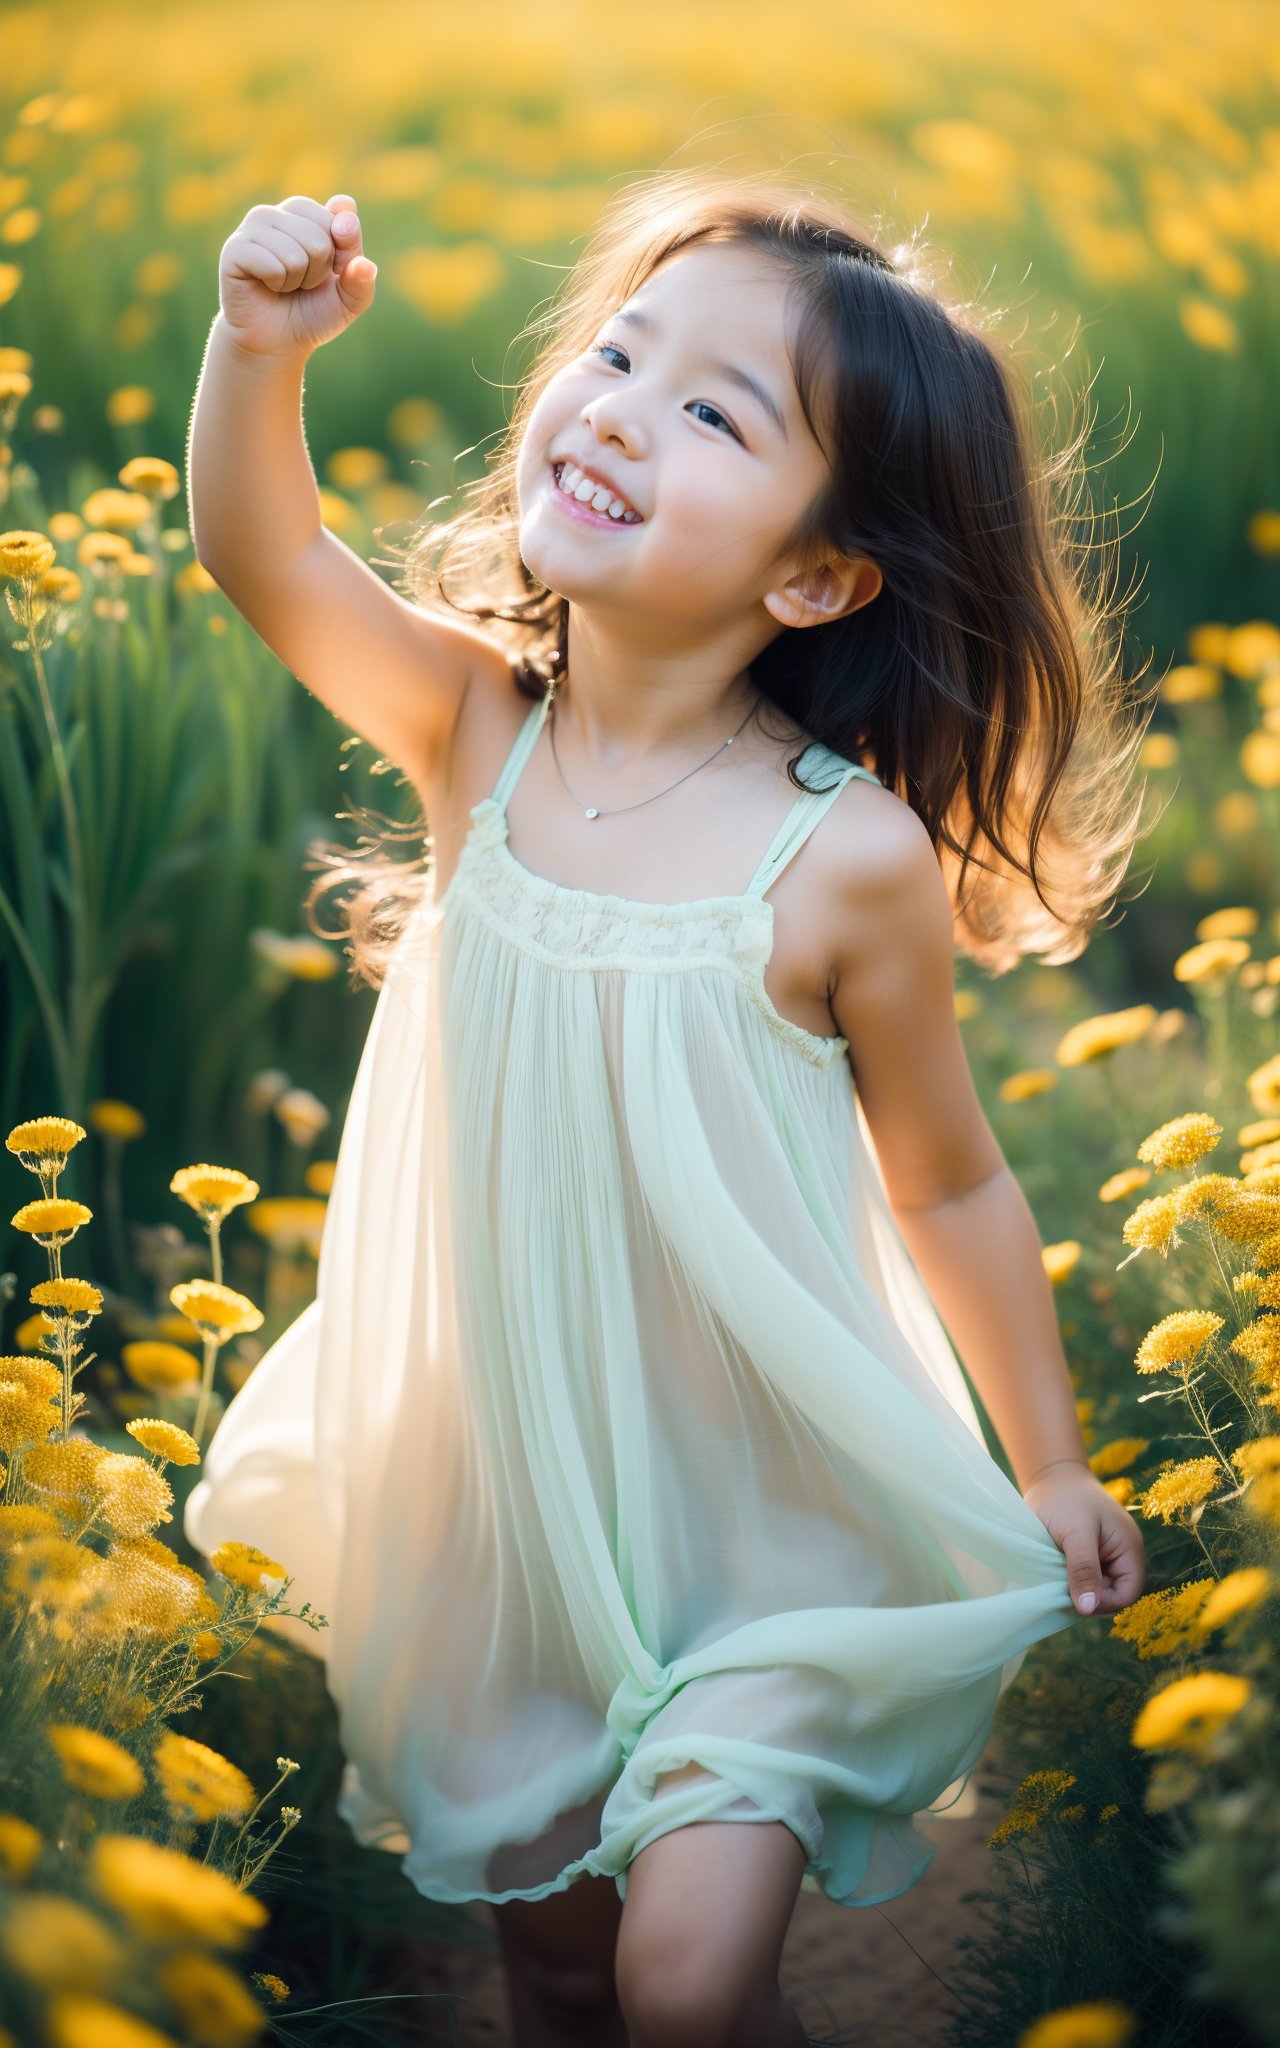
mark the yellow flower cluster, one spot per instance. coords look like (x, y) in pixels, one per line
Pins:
(198, 1782)
(1180, 1486)
(1182, 1142)
(1034, 1799)
(1176, 1339)
(1096, 1037)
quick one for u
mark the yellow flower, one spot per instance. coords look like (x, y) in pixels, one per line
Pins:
(305, 958)
(1159, 750)
(44, 1142)
(1260, 1133)
(1035, 1797)
(1098, 2023)
(173, 1446)
(57, 1943)
(1237, 923)
(31, 1330)
(53, 1222)
(25, 555)
(1095, 1037)
(117, 511)
(319, 1174)
(351, 469)
(1160, 1623)
(1126, 1182)
(28, 1389)
(206, 1645)
(66, 1471)
(1060, 1260)
(211, 2000)
(1187, 1713)
(1211, 959)
(169, 1896)
(1180, 1486)
(197, 1781)
(160, 1367)
(72, 1300)
(1233, 1594)
(1181, 1142)
(1260, 758)
(152, 1593)
(289, 1222)
(20, 1846)
(1191, 683)
(1031, 1081)
(1263, 1085)
(113, 1119)
(94, 1763)
(102, 547)
(1260, 1455)
(1113, 1457)
(135, 1496)
(1176, 1339)
(275, 1987)
(76, 2020)
(212, 1190)
(245, 1565)
(151, 475)
(218, 1312)
(1153, 1225)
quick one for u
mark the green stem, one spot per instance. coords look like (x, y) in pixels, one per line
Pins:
(75, 856)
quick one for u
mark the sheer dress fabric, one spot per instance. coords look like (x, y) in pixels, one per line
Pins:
(622, 1433)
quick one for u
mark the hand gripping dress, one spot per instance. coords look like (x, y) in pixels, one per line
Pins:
(622, 1434)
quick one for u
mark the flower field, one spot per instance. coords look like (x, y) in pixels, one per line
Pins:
(1110, 181)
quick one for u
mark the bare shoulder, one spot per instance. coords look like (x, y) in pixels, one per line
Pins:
(880, 874)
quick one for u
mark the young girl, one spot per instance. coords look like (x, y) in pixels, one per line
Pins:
(623, 1446)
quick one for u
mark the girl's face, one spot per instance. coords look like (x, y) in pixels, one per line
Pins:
(684, 406)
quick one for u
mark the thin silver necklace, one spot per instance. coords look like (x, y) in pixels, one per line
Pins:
(593, 810)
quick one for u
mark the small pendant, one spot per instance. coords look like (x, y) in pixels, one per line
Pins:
(593, 813)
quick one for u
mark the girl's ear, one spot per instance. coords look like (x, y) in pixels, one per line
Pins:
(829, 592)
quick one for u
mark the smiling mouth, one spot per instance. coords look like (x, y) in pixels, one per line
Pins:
(584, 508)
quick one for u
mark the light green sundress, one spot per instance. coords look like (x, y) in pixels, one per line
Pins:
(622, 1433)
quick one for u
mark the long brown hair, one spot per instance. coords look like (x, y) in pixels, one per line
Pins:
(983, 682)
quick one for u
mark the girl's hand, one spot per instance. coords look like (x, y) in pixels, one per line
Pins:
(293, 276)
(1101, 1543)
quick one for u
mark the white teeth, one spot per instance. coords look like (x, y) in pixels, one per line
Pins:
(584, 488)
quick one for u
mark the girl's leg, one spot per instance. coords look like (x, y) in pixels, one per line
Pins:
(558, 1954)
(703, 1924)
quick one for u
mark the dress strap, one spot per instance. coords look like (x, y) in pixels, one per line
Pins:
(521, 748)
(808, 808)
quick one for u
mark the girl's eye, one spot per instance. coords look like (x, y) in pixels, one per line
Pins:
(607, 348)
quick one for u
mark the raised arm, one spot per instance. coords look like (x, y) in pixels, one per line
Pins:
(292, 277)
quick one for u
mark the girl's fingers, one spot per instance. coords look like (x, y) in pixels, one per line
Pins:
(304, 260)
(345, 224)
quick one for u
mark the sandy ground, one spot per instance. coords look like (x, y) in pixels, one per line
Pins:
(853, 1975)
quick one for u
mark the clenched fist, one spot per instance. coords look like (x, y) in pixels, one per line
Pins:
(293, 276)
